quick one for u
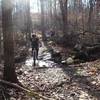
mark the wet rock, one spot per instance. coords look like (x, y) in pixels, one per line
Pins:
(20, 72)
(93, 82)
(72, 94)
(84, 96)
(70, 60)
(12, 98)
(26, 72)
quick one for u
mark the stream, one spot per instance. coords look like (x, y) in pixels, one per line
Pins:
(44, 60)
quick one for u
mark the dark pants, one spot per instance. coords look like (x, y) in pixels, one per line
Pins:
(37, 50)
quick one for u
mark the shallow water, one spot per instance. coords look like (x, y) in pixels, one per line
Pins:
(44, 60)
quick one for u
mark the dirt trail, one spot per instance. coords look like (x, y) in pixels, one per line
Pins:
(61, 82)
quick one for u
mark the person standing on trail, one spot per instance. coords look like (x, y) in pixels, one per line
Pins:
(35, 44)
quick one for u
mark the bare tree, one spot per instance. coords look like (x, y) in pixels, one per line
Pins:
(63, 7)
(0, 47)
(9, 68)
(29, 21)
(97, 15)
(55, 13)
(42, 19)
(0, 32)
(90, 18)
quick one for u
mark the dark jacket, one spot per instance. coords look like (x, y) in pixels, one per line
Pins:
(34, 42)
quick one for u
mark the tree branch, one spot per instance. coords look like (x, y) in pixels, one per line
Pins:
(31, 93)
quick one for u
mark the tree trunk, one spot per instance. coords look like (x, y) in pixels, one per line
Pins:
(29, 28)
(9, 68)
(63, 7)
(42, 20)
(90, 18)
(98, 16)
(51, 15)
(55, 15)
(29, 21)
(0, 47)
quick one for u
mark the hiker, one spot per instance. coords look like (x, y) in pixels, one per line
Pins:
(35, 44)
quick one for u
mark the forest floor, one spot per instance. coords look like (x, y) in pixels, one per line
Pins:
(59, 82)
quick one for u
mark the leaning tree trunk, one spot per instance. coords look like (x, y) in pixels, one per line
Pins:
(9, 68)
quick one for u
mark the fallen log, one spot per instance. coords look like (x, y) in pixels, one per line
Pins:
(29, 92)
(87, 53)
(93, 49)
